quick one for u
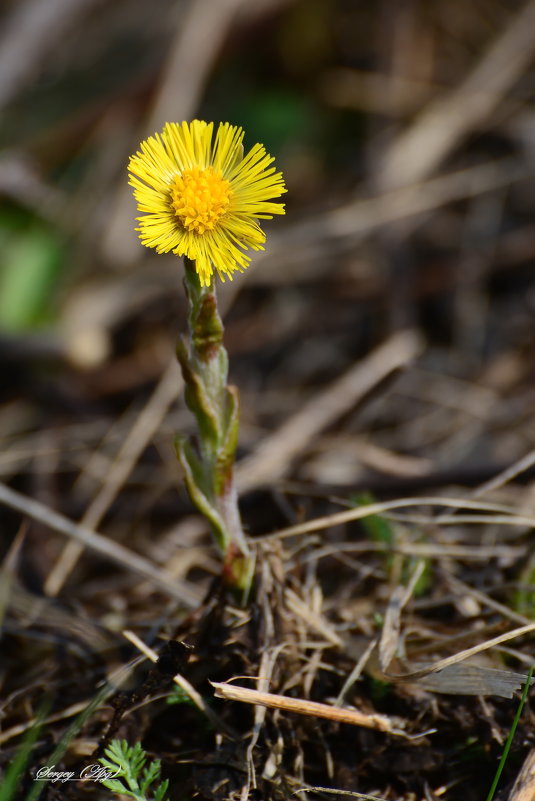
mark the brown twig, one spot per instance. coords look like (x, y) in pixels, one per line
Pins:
(143, 429)
(447, 120)
(301, 706)
(274, 455)
(105, 547)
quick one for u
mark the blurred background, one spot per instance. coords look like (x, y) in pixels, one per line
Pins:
(406, 134)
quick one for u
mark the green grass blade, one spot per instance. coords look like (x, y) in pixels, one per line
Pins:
(17, 767)
(511, 735)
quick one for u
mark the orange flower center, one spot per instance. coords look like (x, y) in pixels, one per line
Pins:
(200, 198)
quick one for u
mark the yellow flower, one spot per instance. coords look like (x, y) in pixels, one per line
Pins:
(201, 198)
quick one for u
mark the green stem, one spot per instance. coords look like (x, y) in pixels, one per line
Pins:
(209, 473)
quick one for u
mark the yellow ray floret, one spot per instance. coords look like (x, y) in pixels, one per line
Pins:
(202, 198)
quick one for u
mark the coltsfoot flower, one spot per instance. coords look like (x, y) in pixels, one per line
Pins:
(202, 198)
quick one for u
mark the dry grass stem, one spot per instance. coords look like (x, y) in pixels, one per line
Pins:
(445, 121)
(388, 644)
(274, 456)
(461, 656)
(476, 553)
(524, 787)
(339, 518)
(505, 476)
(145, 426)
(486, 600)
(336, 791)
(107, 548)
(356, 672)
(311, 708)
(17, 731)
(304, 245)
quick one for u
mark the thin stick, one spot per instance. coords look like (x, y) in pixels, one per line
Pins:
(460, 657)
(453, 520)
(524, 786)
(475, 553)
(499, 480)
(355, 673)
(506, 475)
(486, 600)
(448, 119)
(142, 431)
(302, 706)
(360, 512)
(275, 454)
(20, 728)
(96, 542)
(336, 791)
(304, 245)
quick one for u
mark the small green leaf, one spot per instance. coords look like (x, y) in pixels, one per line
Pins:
(161, 791)
(524, 597)
(229, 443)
(129, 762)
(178, 696)
(377, 527)
(197, 398)
(194, 482)
(28, 274)
(116, 786)
(150, 774)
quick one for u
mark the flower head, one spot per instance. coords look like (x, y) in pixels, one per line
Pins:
(202, 198)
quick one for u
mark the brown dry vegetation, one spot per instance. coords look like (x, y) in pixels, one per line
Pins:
(383, 346)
